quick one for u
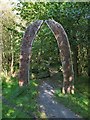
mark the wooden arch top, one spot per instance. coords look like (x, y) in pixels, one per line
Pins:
(64, 48)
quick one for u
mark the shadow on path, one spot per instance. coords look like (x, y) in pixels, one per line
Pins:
(49, 106)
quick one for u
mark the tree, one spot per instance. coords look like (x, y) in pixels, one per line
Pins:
(10, 37)
(72, 16)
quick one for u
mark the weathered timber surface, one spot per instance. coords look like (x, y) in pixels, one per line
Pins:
(26, 51)
(64, 48)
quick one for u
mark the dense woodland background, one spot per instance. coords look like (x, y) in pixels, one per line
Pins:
(74, 17)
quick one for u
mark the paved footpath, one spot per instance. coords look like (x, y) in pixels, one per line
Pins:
(50, 106)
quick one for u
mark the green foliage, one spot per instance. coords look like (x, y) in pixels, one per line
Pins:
(73, 17)
(79, 102)
(45, 54)
(20, 102)
(82, 85)
(44, 51)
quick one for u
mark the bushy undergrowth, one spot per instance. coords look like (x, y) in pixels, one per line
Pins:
(21, 103)
(18, 102)
(79, 102)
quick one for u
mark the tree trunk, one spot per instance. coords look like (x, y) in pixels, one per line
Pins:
(0, 56)
(12, 61)
(65, 55)
(88, 58)
(12, 54)
(88, 49)
(75, 60)
(26, 51)
(64, 48)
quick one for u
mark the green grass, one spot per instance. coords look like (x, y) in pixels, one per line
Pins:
(20, 103)
(24, 99)
(79, 102)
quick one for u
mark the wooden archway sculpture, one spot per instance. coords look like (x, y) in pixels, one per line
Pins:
(64, 48)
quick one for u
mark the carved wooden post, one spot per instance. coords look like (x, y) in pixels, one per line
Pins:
(26, 50)
(64, 48)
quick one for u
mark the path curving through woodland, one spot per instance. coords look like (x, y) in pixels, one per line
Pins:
(48, 106)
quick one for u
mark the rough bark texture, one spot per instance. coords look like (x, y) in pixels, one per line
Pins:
(88, 56)
(64, 47)
(26, 51)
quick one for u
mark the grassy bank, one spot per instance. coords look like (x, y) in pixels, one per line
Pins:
(79, 102)
(21, 103)
(18, 103)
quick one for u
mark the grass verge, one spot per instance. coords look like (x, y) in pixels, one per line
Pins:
(19, 103)
(79, 102)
